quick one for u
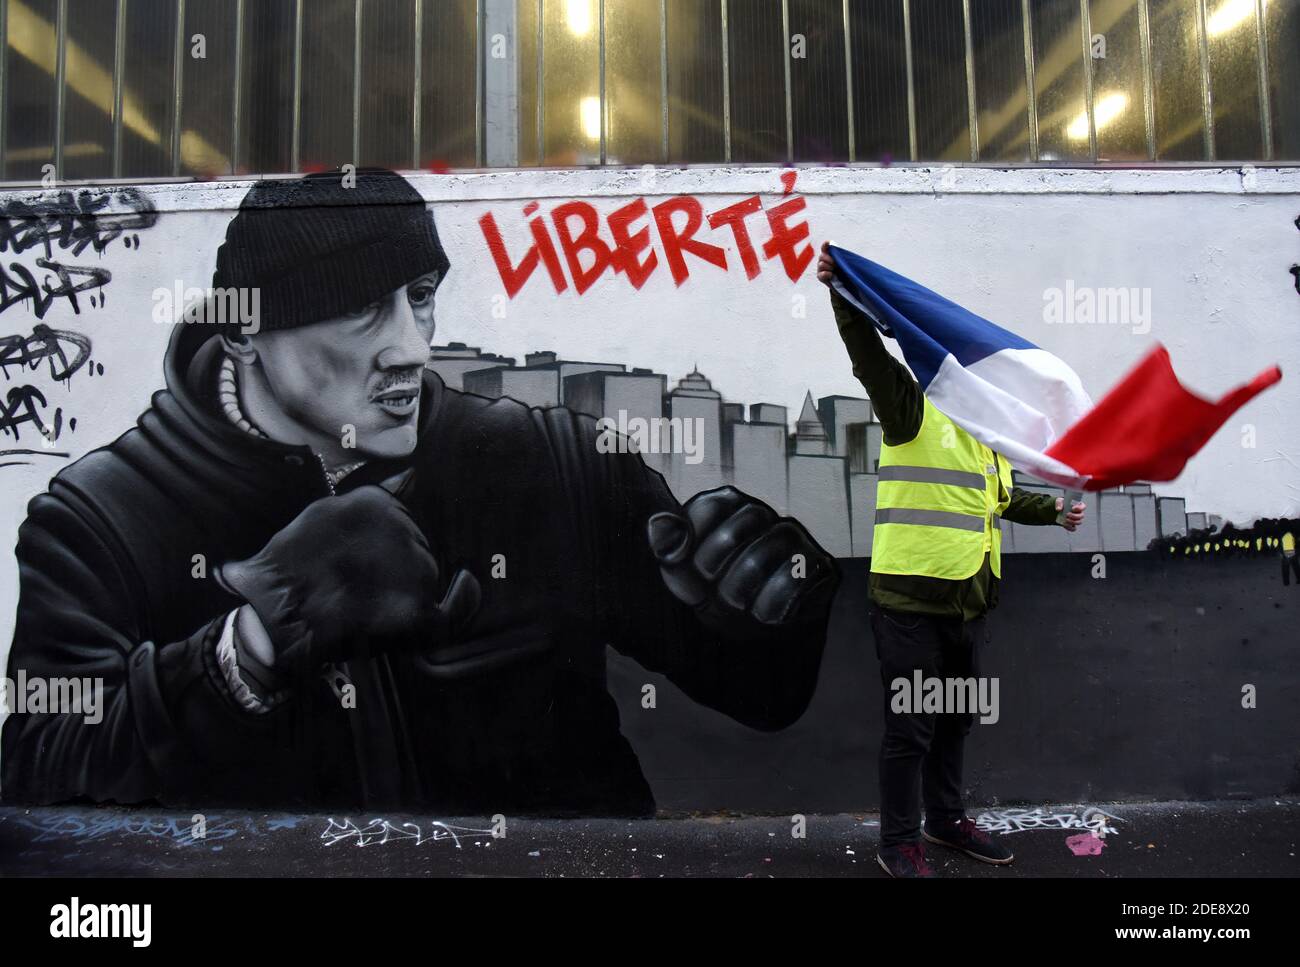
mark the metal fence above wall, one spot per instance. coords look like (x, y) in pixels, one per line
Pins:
(93, 89)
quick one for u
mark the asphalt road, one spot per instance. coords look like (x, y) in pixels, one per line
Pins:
(1175, 839)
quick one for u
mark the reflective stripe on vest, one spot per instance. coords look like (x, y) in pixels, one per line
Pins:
(938, 500)
(953, 478)
(930, 518)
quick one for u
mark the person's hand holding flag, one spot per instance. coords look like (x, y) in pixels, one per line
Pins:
(1072, 518)
(825, 265)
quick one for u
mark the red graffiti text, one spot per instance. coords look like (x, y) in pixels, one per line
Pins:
(637, 238)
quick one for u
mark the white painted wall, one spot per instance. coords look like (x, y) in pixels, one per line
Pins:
(1213, 246)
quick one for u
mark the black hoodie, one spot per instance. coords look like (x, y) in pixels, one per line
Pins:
(115, 566)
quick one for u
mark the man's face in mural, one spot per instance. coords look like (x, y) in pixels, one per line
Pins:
(353, 379)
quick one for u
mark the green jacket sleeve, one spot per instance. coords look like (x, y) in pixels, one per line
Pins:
(1027, 507)
(895, 395)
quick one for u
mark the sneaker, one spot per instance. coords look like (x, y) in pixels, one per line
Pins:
(965, 836)
(905, 860)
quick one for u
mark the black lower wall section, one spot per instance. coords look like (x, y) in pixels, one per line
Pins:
(1125, 687)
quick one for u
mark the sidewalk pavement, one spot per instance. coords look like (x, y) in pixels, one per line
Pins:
(1228, 838)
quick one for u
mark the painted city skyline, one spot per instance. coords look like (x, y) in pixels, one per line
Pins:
(821, 469)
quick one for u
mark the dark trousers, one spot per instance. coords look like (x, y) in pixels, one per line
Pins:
(921, 753)
(1290, 562)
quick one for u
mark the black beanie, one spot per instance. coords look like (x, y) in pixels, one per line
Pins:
(316, 249)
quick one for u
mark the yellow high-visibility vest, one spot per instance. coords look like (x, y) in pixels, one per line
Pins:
(939, 499)
(1288, 541)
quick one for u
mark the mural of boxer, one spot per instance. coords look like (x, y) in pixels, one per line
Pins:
(314, 574)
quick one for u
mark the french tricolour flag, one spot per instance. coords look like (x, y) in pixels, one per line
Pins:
(1029, 405)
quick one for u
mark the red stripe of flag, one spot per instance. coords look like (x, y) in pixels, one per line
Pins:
(1149, 425)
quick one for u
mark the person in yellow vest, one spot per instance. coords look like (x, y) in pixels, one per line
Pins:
(1290, 563)
(935, 567)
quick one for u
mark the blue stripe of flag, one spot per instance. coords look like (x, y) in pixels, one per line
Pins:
(928, 327)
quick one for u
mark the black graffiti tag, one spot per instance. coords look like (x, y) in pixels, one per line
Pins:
(59, 226)
(66, 221)
(74, 220)
(45, 343)
(23, 405)
(18, 284)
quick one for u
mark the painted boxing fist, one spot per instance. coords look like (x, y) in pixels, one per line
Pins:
(735, 561)
(348, 578)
